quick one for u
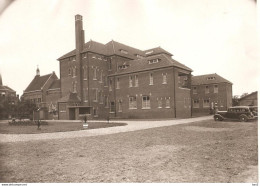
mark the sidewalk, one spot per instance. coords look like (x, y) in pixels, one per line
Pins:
(131, 126)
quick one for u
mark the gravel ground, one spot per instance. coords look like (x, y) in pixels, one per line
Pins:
(204, 151)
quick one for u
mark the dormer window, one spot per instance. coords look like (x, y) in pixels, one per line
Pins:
(139, 56)
(149, 52)
(153, 61)
(121, 67)
(211, 78)
(123, 51)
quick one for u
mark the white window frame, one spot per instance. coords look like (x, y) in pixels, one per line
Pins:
(146, 102)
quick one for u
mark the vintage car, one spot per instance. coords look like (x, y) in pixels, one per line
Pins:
(242, 113)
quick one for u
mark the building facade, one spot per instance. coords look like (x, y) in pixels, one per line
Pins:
(44, 91)
(210, 91)
(119, 81)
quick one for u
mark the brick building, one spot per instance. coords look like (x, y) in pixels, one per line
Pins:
(44, 91)
(249, 99)
(209, 91)
(7, 94)
(120, 81)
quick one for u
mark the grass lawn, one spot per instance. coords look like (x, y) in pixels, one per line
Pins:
(206, 151)
(5, 128)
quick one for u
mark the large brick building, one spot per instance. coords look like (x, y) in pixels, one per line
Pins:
(210, 91)
(116, 80)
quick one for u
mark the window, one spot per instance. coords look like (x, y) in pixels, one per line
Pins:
(167, 103)
(85, 94)
(119, 105)
(215, 88)
(95, 74)
(160, 103)
(105, 82)
(132, 102)
(206, 103)
(136, 80)
(74, 86)
(110, 84)
(85, 73)
(146, 102)
(206, 89)
(194, 90)
(101, 97)
(164, 78)
(101, 77)
(74, 71)
(130, 81)
(95, 95)
(211, 78)
(153, 61)
(151, 79)
(109, 65)
(118, 83)
(112, 107)
(123, 51)
(196, 104)
(106, 101)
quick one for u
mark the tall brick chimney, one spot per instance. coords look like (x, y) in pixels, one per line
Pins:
(80, 41)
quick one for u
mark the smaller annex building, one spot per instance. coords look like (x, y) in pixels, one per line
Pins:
(249, 100)
(210, 91)
(44, 91)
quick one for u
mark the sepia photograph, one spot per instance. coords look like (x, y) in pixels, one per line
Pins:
(128, 91)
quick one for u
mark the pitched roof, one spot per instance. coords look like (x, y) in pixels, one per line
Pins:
(248, 95)
(157, 50)
(208, 79)
(37, 83)
(143, 64)
(55, 84)
(6, 88)
(69, 98)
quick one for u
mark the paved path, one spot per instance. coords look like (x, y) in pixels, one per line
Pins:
(131, 126)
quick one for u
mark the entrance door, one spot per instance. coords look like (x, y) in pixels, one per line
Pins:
(72, 113)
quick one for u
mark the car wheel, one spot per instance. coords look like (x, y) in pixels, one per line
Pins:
(217, 118)
(243, 118)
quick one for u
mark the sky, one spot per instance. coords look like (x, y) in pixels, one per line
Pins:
(207, 36)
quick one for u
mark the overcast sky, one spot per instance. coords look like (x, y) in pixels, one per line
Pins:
(208, 36)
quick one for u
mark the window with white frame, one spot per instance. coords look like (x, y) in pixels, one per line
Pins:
(159, 102)
(206, 103)
(117, 83)
(130, 81)
(168, 103)
(151, 79)
(215, 88)
(136, 81)
(132, 102)
(196, 103)
(112, 107)
(94, 73)
(146, 104)
(120, 105)
(95, 94)
(206, 89)
(194, 90)
(164, 78)
(74, 86)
